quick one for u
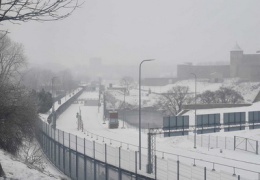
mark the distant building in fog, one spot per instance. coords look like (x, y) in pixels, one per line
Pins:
(158, 81)
(244, 66)
(184, 70)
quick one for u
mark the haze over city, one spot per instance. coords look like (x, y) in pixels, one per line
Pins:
(151, 90)
(126, 32)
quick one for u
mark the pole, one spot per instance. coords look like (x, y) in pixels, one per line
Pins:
(195, 108)
(140, 68)
(124, 112)
(53, 104)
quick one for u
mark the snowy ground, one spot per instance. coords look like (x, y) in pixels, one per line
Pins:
(15, 169)
(248, 90)
(95, 129)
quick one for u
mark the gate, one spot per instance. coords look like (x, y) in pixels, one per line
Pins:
(245, 144)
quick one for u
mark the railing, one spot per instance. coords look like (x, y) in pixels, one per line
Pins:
(83, 159)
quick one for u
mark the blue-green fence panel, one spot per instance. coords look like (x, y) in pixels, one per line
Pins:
(61, 165)
(176, 125)
(100, 171)
(90, 169)
(73, 163)
(67, 162)
(254, 117)
(80, 165)
(113, 173)
(234, 121)
(208, 123)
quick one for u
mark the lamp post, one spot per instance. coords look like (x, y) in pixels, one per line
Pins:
(124, 112)
(195, 108)
(140, 68)
(53, 104)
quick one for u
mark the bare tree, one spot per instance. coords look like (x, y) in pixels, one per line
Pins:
(12, 59)
(228, 95)
(207, 97)
(127, 82)
(171, 103)
(223, 95)
(18, 109)
(37, 10)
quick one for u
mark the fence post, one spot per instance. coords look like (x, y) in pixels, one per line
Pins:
(205, 173)
(178, 169)
(85, 175)
(234, 143)
(63, 153)
(119, 163)
(246, 143)
(69, 156)
(77, 157)
(208, 142)
(155, 167)
(169, 126)
(201, 139)
(256, 147)
(106, 168)
(55, 142)
(217, 142)
(59, 146)
(238, 177)
(49, 143)
(136, 165)
(225, 142)
(95, 174)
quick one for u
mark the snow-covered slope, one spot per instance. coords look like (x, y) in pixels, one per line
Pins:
(15, 169)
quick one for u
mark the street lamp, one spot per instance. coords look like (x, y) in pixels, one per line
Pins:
(124, 111)
(195, 108)
(140, 68)
(53, 104)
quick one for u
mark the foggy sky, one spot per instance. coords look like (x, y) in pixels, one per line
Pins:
(127, 31)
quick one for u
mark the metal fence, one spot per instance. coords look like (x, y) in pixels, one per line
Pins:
(246, 144)
(83, 159)
(230, 143)
(211, 141)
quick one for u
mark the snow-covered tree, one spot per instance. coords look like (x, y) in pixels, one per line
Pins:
(171, 103)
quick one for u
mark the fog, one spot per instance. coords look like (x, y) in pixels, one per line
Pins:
(122, 33)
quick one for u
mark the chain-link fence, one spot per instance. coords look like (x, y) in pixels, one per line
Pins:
(211, 141)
